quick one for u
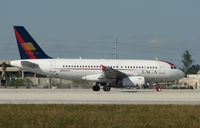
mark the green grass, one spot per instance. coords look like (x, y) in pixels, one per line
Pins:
(99, 116)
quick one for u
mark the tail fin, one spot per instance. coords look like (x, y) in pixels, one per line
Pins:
(28, 48)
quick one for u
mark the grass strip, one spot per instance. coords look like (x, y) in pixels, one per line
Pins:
(99, 116)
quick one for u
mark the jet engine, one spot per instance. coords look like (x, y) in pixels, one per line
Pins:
(133, 81)
(93, 77)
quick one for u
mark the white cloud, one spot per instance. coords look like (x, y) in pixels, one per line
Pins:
(157, 41)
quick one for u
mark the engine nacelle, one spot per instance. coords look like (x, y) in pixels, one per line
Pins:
(133, 81)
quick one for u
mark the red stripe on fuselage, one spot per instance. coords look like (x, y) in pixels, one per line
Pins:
(168, 63)
(20, 40)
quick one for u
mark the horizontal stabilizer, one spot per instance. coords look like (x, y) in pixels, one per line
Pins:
(28, 64)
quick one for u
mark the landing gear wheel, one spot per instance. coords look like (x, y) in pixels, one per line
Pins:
(106, 88)
(96, 88)
(158, 89)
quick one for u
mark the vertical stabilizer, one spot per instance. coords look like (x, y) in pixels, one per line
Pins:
(28, 48)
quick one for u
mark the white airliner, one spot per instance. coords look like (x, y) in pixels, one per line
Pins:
(105, 72)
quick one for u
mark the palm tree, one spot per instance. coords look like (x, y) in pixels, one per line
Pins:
(4, 66)
(3, 75)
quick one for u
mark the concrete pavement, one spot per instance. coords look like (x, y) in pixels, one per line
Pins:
(87, 96)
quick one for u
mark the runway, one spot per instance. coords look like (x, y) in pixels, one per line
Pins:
(87, 96)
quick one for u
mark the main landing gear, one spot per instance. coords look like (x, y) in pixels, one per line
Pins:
(97, 87)
(106, 88)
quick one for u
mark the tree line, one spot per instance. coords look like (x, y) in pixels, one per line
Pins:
(188, 66)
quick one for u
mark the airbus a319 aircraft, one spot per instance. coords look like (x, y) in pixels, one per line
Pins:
(105, 72)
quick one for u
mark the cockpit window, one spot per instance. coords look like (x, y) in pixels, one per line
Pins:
(173, 67)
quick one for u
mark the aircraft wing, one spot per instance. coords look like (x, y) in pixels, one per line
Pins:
(28, 64)
(110, 73)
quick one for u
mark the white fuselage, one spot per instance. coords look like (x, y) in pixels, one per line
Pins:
(77, 69)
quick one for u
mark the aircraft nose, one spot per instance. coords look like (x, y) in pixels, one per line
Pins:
(181, 74)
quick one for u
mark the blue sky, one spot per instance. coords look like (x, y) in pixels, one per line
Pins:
(146, 29)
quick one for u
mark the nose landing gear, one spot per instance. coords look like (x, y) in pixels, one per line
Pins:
(158, 88)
